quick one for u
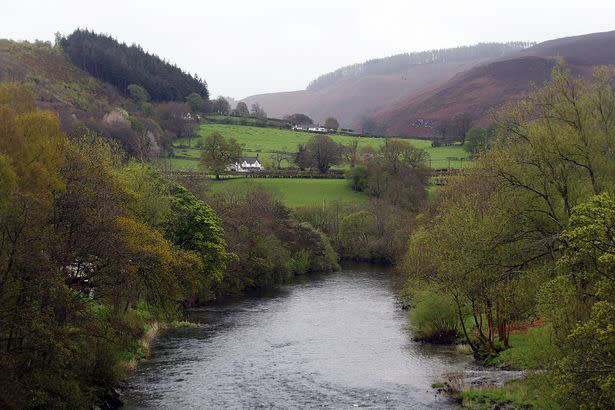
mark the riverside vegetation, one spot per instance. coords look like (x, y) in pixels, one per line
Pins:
(98, 247)
(526, 234)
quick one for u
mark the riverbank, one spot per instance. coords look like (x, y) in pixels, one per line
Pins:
(515, 378)
(335, 340)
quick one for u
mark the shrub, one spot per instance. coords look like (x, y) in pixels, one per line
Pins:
(433, 316)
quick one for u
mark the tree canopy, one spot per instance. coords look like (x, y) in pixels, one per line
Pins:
(120, 65)
(529, 232)
(217, 153)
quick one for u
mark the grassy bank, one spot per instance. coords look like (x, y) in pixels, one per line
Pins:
(530, 350)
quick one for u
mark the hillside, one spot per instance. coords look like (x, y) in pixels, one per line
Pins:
(142, 126)
(481, 89)
(352, 92)
(121, 65)
(58, 85)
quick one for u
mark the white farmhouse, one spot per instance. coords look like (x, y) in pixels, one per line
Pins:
(246, 164)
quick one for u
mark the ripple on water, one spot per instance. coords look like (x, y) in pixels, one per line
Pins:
(335, 341)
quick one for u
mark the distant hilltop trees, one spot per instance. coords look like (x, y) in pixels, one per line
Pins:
(120, 65)
(402, 62)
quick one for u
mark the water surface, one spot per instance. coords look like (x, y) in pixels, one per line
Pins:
(335, 341)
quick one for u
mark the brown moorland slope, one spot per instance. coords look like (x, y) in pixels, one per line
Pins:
(352, 92)
(477, 92)
(350, 99)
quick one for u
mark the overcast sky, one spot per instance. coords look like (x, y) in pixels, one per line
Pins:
(248, 47)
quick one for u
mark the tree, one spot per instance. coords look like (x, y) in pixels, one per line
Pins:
(175, 118)
(217, 153)
(138, 94)
(302, 159)
(242, 109)
(478, 139)
(278, 157)
(121, 65)
(462, 125)
(222, 106)
(256, 111)
(351, 153)
(196, 103)
(396, 172)
(323, 152)
(297, 118)
(580, 302)
(331, 123)
(529, 230)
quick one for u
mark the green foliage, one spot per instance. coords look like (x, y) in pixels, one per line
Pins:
(433, 316)
(138, 94)
(193, 226)
(217, 153)
(581, 303)
(529, 231)
(395, 172)
(373, 231)
(530, 349)
(322, 257)
(270, 246)
(532, 392)
(196, 102)
(355, 235)
(359, 178)
(85, 261)
(478, 139)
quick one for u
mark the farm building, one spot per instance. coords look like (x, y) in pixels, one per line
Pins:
(246, 164)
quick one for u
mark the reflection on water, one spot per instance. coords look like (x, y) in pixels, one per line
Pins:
(335, 341)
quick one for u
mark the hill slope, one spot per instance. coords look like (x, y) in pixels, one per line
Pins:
(352, 92)
(56, 82)
(481, 89)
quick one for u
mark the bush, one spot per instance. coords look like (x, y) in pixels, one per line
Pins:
(433, 316)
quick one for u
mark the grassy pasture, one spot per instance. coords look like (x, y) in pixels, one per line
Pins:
(295, 192)
(267, 140)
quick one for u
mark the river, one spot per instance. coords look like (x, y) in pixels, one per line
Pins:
(337, 341)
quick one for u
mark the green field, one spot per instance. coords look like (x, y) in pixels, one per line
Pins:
(295, 192)
(266, 140)
(227, 119)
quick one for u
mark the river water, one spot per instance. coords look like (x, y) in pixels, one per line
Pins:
(335, 341)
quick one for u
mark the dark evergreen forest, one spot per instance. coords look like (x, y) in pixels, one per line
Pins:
(121, 65)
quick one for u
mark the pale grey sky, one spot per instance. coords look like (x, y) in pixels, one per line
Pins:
(248, 47)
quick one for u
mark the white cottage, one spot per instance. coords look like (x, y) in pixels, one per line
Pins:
(246, 164)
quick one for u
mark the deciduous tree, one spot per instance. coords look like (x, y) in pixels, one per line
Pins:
(331, 123)
(218, 152)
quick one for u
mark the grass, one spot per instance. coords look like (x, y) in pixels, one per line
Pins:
(532, 392)
(530, 350)
(295, 192)
(267, 140)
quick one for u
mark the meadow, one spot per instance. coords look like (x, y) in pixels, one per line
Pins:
(264, 141)
(295, 192)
